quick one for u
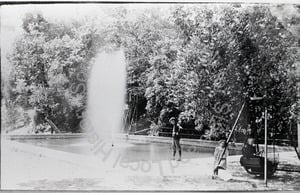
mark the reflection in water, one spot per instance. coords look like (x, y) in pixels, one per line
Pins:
(130, 151)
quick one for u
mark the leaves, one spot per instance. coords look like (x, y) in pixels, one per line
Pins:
(190, 58)
(47, 60)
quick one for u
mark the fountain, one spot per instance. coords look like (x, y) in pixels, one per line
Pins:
(106, 94)
(104, 113)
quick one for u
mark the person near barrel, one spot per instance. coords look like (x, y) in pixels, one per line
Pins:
(220, 158)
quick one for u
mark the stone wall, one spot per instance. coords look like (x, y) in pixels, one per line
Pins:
(45, 136)
(234, 148)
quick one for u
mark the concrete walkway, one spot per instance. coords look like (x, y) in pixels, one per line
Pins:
(29, 167)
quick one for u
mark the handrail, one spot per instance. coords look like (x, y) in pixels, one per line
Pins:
(140, 131)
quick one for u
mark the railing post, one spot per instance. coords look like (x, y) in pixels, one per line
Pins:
(266, 148)
(298, 125)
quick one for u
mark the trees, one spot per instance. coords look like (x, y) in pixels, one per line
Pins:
(204, 61)
(207, 61)
(231, 54)
(149, 41)
(51, 63)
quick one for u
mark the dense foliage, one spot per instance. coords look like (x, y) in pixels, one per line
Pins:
(50, 67)
(202, 62)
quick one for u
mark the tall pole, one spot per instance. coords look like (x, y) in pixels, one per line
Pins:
(232, 130)
(298, 94)
(298, 126)
(266, 148)
(298, 102)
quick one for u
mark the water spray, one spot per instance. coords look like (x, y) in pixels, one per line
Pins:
(106, 94)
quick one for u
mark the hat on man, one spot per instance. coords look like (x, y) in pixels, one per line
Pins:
(172, 119)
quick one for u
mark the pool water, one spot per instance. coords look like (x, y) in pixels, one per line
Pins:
(131, 151)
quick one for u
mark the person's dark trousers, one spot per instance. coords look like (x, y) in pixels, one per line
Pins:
(176, 146)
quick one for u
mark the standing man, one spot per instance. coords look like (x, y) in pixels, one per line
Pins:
(176, 137)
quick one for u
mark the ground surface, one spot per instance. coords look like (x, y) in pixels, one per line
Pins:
(27, 167)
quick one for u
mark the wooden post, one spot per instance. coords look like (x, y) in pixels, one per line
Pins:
(298, 118)
(266, 148)
(298, 93)
(298, 125)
